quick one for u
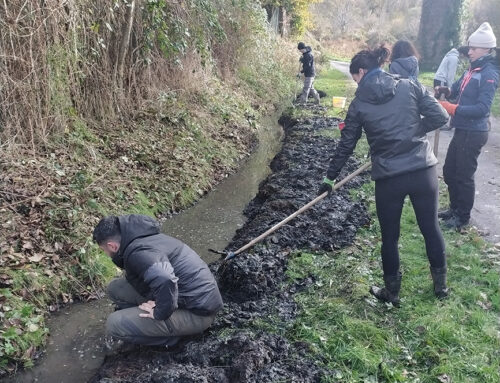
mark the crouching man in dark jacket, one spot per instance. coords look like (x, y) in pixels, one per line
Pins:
(168, 291)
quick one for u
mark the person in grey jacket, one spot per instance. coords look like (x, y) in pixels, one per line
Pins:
(445, 74)
(404, 60)
(389, 109)
(168, 291)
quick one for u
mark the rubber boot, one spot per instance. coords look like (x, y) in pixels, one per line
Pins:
(439, 279)
(446, 214)
(316, 98)
(389, 293)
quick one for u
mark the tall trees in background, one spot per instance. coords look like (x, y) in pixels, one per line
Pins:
(477, 12)
(373, 21)
(439, 30)
(297, 10)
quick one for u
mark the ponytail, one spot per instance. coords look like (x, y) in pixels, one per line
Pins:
(369, 59)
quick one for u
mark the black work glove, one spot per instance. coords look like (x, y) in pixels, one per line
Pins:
(326, 186)
(439, 90)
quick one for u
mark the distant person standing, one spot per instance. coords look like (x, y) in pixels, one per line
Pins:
(445, 74)
(474, 93)
(307, 61)
(404, 60)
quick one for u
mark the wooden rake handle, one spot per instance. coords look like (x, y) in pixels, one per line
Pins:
(302, 209)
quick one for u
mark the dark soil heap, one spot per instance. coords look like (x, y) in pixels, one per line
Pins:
(254, 284)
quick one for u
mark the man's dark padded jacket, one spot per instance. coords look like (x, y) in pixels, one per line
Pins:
(389, 109)
(307, 61)
(474, 103)
(164, 269)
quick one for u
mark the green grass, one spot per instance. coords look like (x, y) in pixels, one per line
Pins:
(425, 340)
(427, 79)
(335, 83)
(495, 107)
(361, 338)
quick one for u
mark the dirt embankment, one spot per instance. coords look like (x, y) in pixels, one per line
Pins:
(242, 346)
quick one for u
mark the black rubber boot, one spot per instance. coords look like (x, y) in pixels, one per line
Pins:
(446, 214)
(439, 279)
(389, 293)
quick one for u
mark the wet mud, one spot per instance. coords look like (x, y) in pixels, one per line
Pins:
(254, 284)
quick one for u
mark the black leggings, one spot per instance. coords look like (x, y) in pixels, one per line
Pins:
(390, 193)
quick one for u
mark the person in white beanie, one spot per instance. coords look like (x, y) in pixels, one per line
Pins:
(472, 96)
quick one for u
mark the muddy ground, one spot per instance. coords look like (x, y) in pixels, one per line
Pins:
(254, 284)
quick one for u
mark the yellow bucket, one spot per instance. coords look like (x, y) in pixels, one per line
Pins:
(338, 102)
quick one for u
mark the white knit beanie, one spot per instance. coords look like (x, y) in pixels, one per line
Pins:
(483, 37)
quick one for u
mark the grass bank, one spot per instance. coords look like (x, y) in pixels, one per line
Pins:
(173, 150)
(426, 340)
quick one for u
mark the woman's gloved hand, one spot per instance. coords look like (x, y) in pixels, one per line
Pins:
(450, 108)
(326, 186)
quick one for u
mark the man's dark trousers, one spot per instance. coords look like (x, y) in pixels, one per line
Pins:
(127, 325)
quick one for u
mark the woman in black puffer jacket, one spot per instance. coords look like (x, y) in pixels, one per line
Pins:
(389, 110)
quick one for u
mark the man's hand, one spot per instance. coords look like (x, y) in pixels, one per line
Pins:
(298, 75)
(326, 186)
(450, 108)
(149, 307)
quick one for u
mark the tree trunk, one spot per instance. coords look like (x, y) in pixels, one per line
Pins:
(124, 44)
(439, 30)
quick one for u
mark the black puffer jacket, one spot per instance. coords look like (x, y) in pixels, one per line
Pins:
(307, 61)
(389, 109)
(164, 269)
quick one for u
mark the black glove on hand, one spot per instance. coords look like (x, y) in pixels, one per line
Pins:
(439, 90)
(326, 186)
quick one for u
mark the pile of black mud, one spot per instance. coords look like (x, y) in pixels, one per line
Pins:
(254, 284)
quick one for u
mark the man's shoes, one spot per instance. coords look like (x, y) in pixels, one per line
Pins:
(446, 214)
(113, 346)
(456, 223)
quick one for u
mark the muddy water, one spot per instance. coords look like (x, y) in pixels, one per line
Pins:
(212, 222)
(75, 346)
(75, 349)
